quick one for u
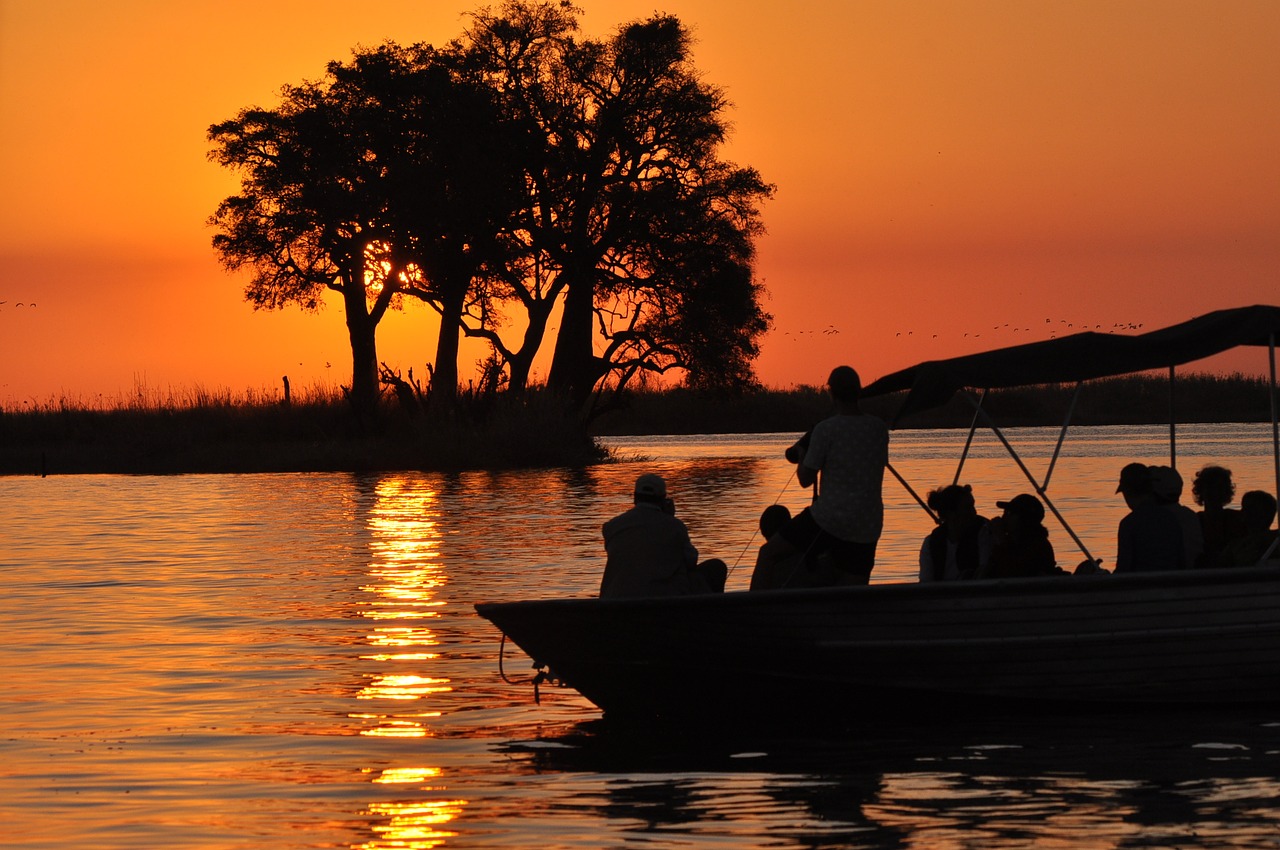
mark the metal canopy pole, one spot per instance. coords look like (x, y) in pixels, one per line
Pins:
(1275, 414)
(1275, 437)
(1062, 435)
(919, 501)
(973, 427)
(1173, 424)
(1031, 478)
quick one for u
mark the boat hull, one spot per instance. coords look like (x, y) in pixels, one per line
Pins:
(1195, 638)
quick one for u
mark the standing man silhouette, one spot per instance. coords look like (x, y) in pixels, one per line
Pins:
(833, 541)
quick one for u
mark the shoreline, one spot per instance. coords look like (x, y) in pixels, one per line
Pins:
(534, 431)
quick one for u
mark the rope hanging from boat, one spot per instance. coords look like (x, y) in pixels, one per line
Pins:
(502, 648)
(537, 680)
(752, 539)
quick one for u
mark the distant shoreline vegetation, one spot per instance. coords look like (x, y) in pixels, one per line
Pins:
(317, 430)
(1127, 400)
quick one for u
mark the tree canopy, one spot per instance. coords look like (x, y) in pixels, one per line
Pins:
(518, 169)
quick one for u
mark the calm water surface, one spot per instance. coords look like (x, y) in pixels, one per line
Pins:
(293, 661)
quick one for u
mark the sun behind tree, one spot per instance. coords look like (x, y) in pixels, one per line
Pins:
(516, 170)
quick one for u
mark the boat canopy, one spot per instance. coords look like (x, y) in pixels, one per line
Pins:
(1080, 357)
(1077, 358)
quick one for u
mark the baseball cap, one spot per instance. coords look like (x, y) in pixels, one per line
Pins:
(651, 486)
(1025, 505)
(1134, 478)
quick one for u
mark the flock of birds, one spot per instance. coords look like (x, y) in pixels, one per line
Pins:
(19, 304)
(1055, 327)
(828, 331)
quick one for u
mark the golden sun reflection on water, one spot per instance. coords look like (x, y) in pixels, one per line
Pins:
(406, 576)
(413, 826)
(407, 775)
(403, 687)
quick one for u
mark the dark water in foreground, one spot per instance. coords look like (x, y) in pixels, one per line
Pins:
(293, 661)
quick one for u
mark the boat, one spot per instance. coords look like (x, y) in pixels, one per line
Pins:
(1193, 638)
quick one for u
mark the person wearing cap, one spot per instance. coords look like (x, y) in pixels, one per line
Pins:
(833, 541)
(1020, 546)
(649, 552)
(1149, 537)
(1166, 487)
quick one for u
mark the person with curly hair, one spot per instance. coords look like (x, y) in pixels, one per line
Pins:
(1213, 490)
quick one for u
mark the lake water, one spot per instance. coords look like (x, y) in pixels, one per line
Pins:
(293, 661)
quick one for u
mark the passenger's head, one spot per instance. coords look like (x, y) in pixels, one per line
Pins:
(651, 488)
(1135, 482)
(1024, 510)
(1166, 484)
(844, 383)
(951, 502)
(773, 519)
(1213, 487)
(1257, 509)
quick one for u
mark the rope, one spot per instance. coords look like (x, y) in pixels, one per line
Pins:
(502, 648)
(537, 680)
(800, 560)
(752, 539)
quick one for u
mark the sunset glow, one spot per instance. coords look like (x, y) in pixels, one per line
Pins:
(950, 176)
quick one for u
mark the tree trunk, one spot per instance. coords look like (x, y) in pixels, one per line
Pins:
(573, 366)
(444, 380)
(521, 362)
(361, 331)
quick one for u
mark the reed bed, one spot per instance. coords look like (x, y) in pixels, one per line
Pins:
(203, 430)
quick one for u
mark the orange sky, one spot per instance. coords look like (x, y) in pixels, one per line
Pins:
(950, 175)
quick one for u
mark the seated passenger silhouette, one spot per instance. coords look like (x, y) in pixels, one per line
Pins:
(1020, 546)
(1257, 510)
(1166, 486)
(960, 546)
(1149, 538)
(649, 551)
(1213, 490)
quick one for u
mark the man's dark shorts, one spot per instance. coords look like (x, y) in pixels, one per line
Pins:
(850, 557)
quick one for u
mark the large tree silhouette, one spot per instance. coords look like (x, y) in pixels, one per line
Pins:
(390, 177)
(629, 163)
(516, 170)
(311, 216)
(451, 168)
(688, 298)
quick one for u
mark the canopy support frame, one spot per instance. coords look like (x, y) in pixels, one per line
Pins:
(1275, 437)
(1040, 491)
(968, 443)
(1275, 413)
(980, 414)
(1062, 435)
